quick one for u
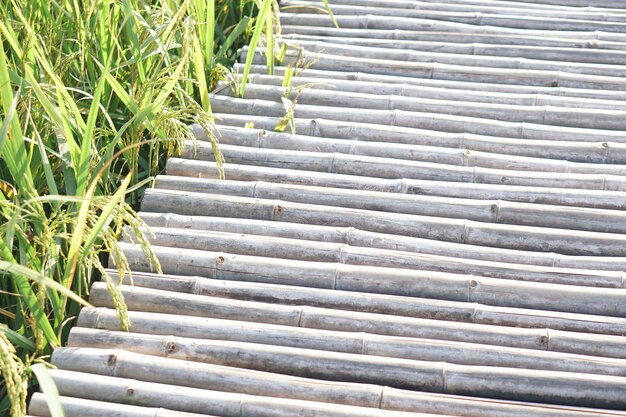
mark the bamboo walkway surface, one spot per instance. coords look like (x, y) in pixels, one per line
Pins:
(443, 234)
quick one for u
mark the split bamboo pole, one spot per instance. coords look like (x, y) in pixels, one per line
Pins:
(355, 237)
(203, 170)
(567, 242)
(379, 280)
(537, 114)
(552, 87)
(482, 18)
(542, 386)
(125, 364)
(80, 407)
(420, 120)
(490, 211)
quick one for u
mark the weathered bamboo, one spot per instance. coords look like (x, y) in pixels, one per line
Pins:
(410, 38)
(255, 138)
(542, 195)
(514, 74)
(388, 168)
(409, 144)
(519, 9)
(381, 303)
(504, 4)
(491, 382)
(430, 121)
(485, 18)
(224, 404)
(567, 242)
(126, 364)
(440, 93)
(354, 237)
(149, 301)
(502, 212)
(425, 284)
(539, 114)
(552, 88)
(80, 407)
(546, 53)
(414, 24)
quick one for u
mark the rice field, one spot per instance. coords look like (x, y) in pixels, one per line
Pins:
(94, 96)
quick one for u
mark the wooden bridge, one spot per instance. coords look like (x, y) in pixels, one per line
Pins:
(443, 234)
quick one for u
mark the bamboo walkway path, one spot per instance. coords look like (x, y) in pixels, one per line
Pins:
(444, 234)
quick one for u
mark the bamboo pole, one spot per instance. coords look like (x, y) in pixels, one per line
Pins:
(551, 88)
(80, 407)
(538, 113)
(156, 369)
(492, 382)
(542, 195)
(482, 18)
(411, 144)
(192, 400)
(354, 237)
(409, 38)
(519, 9)
(567, 242)
(439, 93)
(556, 52)
(375, 347)
(420, 120)
(546, 75)
(389, 168)
(370, 279)
(380, 303)
(414, 24)
(502, 212)
(505, 4)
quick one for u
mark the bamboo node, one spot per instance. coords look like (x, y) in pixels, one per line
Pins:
(170, 347)
(130, 392)
(219, 260)
(111, 359)
(542, 341)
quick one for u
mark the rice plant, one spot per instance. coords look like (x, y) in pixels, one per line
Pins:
(94, 95)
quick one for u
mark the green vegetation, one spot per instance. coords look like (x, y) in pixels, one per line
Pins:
(91, 92)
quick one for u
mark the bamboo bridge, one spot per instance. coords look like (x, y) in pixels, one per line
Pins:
(443, 235)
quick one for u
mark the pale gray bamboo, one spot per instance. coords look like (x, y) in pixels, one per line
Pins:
(560, 52)
(381, 303)
(203, 170)
(255, 138)
(552, 87)
(80, 407)
(148, 394)
(538, 113)
(415, 24)
(420, 120)
(490, 211)
(441, 93)
(399, 169)
(567, 242)
(505, 4)
(483, 18)
(156, 369)
(406, 38)
(354, 237)
(391, 138)
(589, 13)
(492, 382)
(549, 77)
(426, 284)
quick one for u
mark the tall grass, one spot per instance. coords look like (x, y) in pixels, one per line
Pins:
(91, 93)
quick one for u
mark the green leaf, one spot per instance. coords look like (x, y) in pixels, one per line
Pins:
(49, 388)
